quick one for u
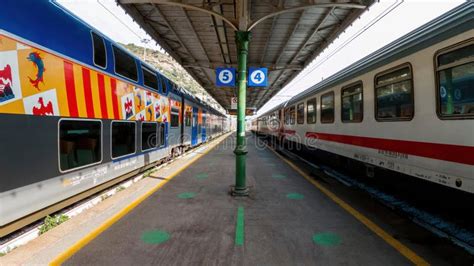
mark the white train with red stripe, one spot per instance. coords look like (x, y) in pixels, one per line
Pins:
(408, 107)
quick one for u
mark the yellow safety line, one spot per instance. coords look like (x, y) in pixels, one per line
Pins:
(61, 258)
(404, 250)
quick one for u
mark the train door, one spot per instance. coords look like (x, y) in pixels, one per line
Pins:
(281, 123)
(199, 126)
(203, 128)
(194, 129)
(182, 122)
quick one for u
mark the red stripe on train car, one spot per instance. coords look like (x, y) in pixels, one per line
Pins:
(445, 152)
(70, 89)
(113, 85)
(86, 77)
(103, 99)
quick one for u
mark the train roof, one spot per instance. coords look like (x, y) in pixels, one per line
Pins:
(453, 22)
(279, 106)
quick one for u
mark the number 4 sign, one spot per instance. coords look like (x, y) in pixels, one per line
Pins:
(257, 77)
(225, 77)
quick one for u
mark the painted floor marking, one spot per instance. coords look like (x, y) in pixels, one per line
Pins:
(155, 237)
(187, 195)
(327, 239)
(401, 248)
(201, 176)
(295, 196)
(239, 229)
(278, 176)
(61, 258)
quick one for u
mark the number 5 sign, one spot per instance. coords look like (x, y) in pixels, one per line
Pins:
(257, 77)
(225, 77)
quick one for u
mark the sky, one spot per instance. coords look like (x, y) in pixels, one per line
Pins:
(402, 16)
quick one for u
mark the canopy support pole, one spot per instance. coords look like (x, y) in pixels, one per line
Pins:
(242, 39)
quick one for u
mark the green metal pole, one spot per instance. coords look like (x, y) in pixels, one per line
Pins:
(242, 39)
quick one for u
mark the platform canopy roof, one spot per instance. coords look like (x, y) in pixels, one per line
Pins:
(286, 35)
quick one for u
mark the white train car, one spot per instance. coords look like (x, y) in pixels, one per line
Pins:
(408, 107)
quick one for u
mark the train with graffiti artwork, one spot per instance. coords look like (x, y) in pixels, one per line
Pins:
(78, 113)
(407, 108)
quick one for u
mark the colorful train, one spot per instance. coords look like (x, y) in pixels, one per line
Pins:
(408, 107)
(79, 113)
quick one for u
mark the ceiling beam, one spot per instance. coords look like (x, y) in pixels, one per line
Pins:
(349, 19)
(190, 24)
(314, 32)
(172, 29)
(304, 7)
(213, 65)
(301, 48)
(243, 14)
(264, 53)
(221, 34)
(288, 40)
(231, 22)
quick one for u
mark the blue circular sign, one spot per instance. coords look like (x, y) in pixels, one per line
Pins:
(226, 76)
(257, 77)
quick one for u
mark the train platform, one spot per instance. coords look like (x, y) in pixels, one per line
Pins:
(183, 215)
(192, 220)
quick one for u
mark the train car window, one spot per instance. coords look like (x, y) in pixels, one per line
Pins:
(162, 135)
(80, 143)
(98, 44)
(300, 113)
(327, 107)
(164, 89)
(188, 118)
(352, 103)
(455, 81)
(287, 115)
(394, 94)
(123, 138)
(149, 78)
(174, 117)
(149, 136)
(292, 113)
(311, 111)
(125, 64)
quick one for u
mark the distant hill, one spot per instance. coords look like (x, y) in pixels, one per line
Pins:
(174, 71)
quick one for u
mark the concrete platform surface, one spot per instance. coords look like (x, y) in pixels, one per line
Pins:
(193, 221)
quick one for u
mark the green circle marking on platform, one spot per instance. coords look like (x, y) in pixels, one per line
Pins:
(186, 195)
(278, 176)
(202, 176)
(295, 196)
(326, 239)
(155, 237)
